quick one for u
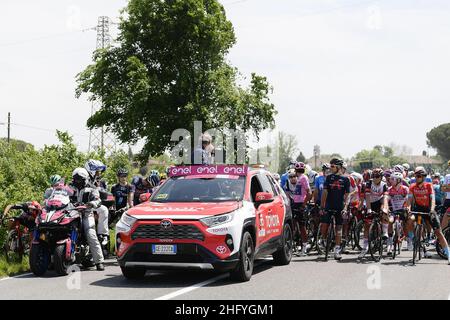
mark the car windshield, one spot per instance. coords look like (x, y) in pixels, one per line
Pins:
(214, 189)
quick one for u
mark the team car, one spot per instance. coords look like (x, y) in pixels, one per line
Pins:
(217, 217)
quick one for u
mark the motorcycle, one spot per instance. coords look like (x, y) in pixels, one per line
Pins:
(58, 239)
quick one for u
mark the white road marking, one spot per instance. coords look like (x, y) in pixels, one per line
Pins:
(192, 288)
(15, 277)
(201, 284)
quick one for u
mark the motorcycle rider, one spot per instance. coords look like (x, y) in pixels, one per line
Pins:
(55, 180)
(94, 169)
(87, 194)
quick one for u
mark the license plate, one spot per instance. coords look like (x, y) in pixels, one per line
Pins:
(164, 249)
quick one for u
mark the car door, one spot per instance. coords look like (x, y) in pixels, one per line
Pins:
(275, 210)
(260, 211)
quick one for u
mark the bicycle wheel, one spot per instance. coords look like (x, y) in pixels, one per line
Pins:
(417, 243)
(330, 236)
(439, 249)
(13, 247)
(357, 234)
(312, 234)
(395, 242)
(375, 241)
(297, 238)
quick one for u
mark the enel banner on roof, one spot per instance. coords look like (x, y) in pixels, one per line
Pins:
(237, 170)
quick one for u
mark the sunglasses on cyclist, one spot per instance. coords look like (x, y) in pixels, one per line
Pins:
(377, 176)
(292, 176)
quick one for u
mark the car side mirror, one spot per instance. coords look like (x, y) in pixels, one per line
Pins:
(144, 197)
(263, 197)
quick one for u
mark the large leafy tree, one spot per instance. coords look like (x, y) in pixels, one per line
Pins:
(168, 70)
(439, 138)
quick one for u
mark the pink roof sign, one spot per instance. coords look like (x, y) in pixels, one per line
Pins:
(193, 170)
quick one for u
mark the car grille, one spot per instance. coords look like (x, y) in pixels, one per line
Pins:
(177, 232)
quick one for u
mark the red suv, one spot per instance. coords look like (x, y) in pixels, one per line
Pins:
(207, 217)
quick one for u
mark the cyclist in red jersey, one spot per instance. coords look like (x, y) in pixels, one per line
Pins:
(421, 199)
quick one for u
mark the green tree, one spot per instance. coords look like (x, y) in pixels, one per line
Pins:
(168, 70)
(301, 157)
(439, 139)
(287, 148)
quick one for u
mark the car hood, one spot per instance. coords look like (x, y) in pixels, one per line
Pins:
(182, 210)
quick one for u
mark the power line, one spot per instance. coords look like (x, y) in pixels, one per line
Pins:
(44, 129)
(45, 37)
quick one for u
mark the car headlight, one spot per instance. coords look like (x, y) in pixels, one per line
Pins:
(125, 223)
(216, 220)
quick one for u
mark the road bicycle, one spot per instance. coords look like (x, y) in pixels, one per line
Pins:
(418, 242)
(376, 242)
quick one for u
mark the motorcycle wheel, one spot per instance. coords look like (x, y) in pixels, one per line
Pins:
(39, 259)
(61, 263)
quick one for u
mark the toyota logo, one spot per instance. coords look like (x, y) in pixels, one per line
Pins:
(221, 250)
(166, 224)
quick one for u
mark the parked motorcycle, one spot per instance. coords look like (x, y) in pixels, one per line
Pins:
(59, 238)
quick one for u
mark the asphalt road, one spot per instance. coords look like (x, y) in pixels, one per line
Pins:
(305, 278)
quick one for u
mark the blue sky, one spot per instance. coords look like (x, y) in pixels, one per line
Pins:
(347, 75)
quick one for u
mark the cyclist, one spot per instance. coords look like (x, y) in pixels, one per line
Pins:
(284, 177)
(289, 187)
(422, 199)
(397, 197)
(143, 186)
(437, 186)
(55, 181)
(336, 190)
(312, 176)
(301, 196)
(123, 191)
(446, 188)
(353, 204)
(376, 192)
(320, 180)
(386, 175)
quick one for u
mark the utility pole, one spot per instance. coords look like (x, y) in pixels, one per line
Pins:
(9, 127)
(98, 138)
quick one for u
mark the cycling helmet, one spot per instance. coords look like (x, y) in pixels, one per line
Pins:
(92, 166)
(377, 172)
(292, 173)
(122, 172)
(55, 179)
(311, 175)
(276, 176)
(357, 177)
(367, 175)
(437, 175)
(337, 162)
(325, 166)
(300, 166)
(420, 171)
(344, 165)
(397, 175)
(154, 180)
(154, 172)
(387, 173)
(399, 168)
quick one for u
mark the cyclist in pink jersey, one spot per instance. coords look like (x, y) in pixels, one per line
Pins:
(302, 194)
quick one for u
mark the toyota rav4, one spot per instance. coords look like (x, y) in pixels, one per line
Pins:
(218, 217)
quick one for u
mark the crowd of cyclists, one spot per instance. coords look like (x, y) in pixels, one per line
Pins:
(394, 194)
